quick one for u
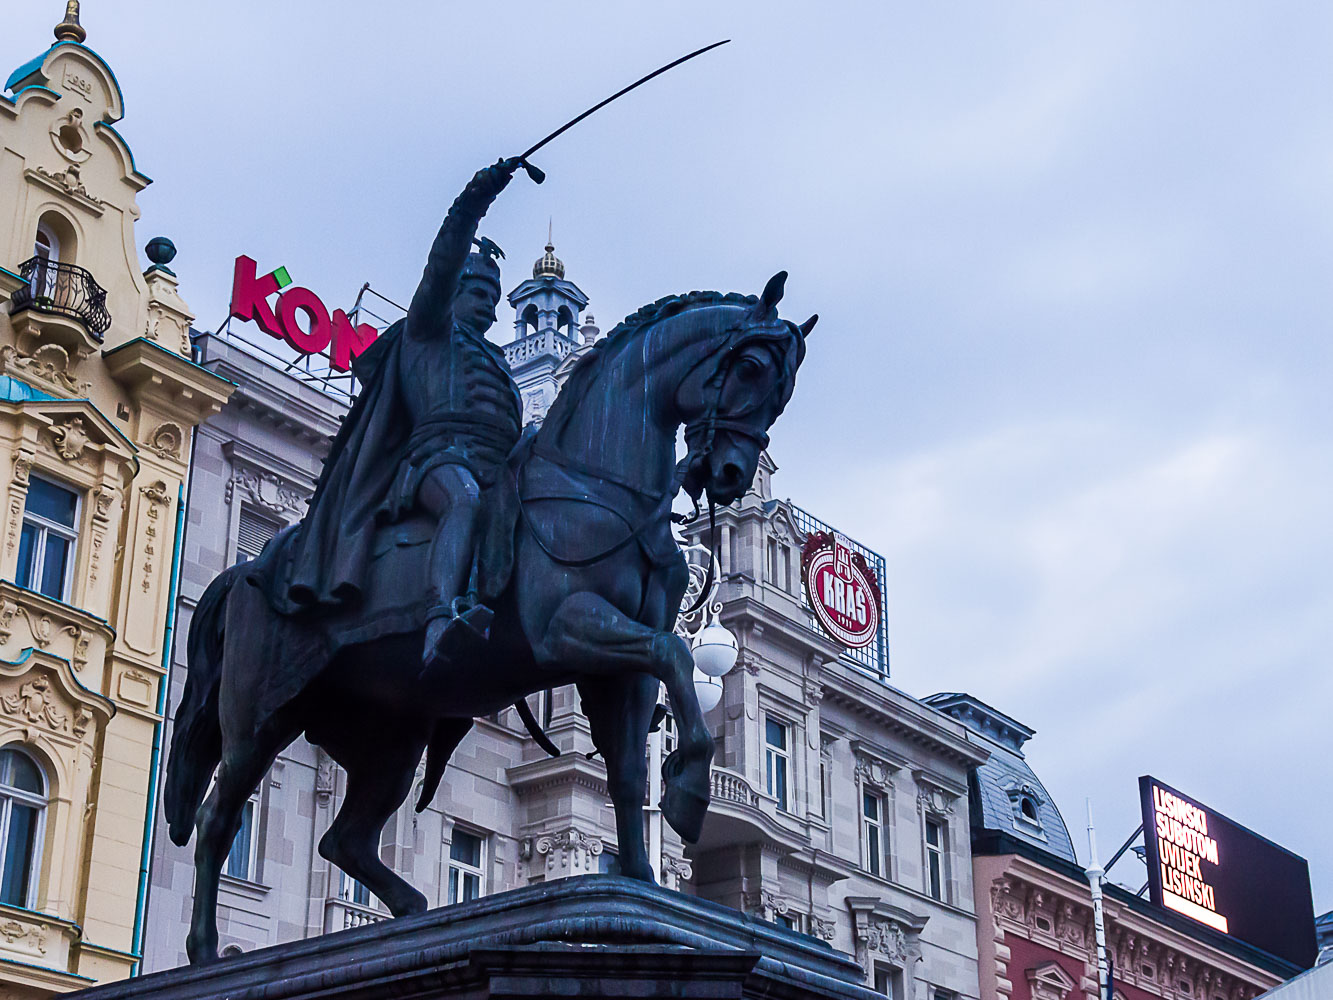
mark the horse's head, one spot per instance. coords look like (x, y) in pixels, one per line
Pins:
(728, 401)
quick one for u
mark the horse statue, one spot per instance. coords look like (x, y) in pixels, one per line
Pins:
(594, 584)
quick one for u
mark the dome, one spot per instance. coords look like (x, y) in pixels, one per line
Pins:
(550, 266)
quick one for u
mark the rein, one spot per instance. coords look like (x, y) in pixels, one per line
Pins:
(706, 426)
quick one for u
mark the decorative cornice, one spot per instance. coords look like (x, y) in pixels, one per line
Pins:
(1037, 904)
(882, 929)
(49, 364)
(567, 852)
(902, 716)
(48, 619)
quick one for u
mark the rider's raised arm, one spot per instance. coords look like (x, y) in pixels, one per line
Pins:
(429, 314)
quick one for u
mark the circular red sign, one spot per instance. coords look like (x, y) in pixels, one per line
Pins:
(841, 590)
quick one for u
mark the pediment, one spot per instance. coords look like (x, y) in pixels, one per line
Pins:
(100, 430)
(1049, 981)
(76, 71)
(1017, 788)
(78, 434)
(40, 694)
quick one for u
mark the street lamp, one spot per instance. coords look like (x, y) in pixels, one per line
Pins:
(707, 689)
(714, 646)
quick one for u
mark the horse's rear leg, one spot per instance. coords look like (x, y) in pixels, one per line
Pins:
(590, 634)
(380, 767)
(619, 711)
(239, 773)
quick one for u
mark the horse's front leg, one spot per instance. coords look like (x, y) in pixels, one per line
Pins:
(619, 711)
(592, 636)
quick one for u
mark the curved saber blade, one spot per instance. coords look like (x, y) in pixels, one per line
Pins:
(618, 94)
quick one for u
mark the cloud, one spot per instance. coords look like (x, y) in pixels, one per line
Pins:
(1149, 603)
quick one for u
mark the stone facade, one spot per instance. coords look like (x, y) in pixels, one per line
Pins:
(98, 399)
(790, 847)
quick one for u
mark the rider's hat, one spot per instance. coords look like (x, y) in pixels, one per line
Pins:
(482, 266)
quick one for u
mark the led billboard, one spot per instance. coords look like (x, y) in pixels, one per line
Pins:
(1218, 873)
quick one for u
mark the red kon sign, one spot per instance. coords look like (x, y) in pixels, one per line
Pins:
(299, 317)
(841, 589)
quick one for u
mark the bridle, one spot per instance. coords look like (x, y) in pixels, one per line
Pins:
(704, 429)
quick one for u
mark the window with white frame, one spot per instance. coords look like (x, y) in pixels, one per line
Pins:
(874, 839)
(937, 846)
(789, 920)
(670, 737)
(889, 981)
(46, 545)
(46, 248)
(242, 861)
(352, 891)
(777, 761)
(547, 705)
(23, 796)
(467, 859)
(253, 532)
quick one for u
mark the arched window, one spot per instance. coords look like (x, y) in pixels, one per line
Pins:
(564, 321)
(22, 809)
(1028, 808)
(46, 244)
(530, 319)
(46, 248)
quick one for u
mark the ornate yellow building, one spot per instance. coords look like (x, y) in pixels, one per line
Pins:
(98, 397)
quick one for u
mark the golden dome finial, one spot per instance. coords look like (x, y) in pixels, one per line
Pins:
(70, 30)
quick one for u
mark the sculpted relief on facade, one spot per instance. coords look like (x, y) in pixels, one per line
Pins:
(266, 490)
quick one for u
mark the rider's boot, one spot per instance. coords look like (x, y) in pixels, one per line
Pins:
(454, 631)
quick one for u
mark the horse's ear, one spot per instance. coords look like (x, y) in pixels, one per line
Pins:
(808, 325)
(768, 301)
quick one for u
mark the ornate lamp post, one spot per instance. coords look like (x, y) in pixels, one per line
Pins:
(715, 650)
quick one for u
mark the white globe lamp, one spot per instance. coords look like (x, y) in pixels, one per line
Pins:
(715, 649)
(708, 690)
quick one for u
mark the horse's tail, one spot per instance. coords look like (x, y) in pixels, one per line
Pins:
(438, 751)
(196, 739)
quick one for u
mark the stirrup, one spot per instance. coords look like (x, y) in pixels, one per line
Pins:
(465, 632)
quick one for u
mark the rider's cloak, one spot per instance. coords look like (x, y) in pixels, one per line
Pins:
(321, 563)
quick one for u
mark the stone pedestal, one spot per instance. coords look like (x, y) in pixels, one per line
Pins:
(597, 935)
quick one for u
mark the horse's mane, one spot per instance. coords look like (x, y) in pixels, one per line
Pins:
(588, 367)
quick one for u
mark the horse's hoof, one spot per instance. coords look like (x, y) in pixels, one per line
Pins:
(642, 872)
(201, 953)
(410, 906)
(685, 810)
(686, 793)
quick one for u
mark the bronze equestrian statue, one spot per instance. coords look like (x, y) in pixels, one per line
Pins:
(428, 495)
(438, 396)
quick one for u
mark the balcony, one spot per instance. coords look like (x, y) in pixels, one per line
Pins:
(59, 289)
(342, 915)
(741, 814)
(731, 786)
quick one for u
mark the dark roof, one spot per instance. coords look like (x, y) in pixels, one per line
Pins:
(998, 788)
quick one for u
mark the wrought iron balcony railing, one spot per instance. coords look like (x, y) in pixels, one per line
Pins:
(63, 289)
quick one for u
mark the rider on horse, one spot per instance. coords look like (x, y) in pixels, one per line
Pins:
(436, 418)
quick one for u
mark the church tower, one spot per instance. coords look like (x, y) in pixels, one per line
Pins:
(550, 331)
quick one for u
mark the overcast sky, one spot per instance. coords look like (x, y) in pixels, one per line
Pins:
(1072, 373)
